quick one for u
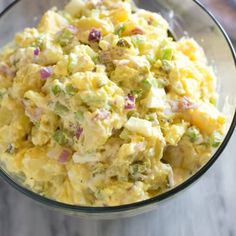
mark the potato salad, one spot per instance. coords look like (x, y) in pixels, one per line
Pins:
(100, 106)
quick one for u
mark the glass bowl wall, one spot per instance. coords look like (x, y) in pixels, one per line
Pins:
(188, 18)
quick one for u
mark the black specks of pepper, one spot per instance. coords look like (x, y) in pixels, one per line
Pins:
(10, 149)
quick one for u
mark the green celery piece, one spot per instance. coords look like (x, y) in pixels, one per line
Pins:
(138, 41)
(148, 83)
(125, 135)
(65, 37)
(120, 30)
(72, 62)
(215, 139)
(137, 93)
(39, 41)
(92, 99)
(151, 58)
(56, 89)
(60, 137)
(60, 109)
(71, 90)
(213, 101)
(193, 134)
(166, 65)
(167, 54)
(79, 116)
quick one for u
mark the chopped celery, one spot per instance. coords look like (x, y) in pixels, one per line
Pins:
(136, 170)
(193, 134)
(137, 93)
(166, 65)
(132, 114)
(71, 90)
(94, 99)
(37, 124)
(120, 30)
(125, 135)
(213, 101)
(151, 117)
(155, 23)
(99, 195)
(148, 83)
(167, 54)
(39, 41)
(138, 41)
(65, 37)
(60, 109)
(56, 89)
(60, 137)
(216, 139)
(151, 58)
(79, 116)
(2, 91)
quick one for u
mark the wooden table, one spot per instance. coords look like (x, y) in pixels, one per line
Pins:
(208, 208)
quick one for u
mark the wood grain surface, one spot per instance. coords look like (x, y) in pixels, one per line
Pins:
(208, 208)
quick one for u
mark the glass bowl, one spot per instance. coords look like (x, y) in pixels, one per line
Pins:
(189, 17)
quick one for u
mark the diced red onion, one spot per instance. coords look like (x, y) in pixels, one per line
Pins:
(23, 103)
(37, 113)
(64, 156)
(182, 104)
(79, 132)
(46, 72)
(101, 115)
(168, 112)
(94, 36)
(6, 71)
(174, 106)
(129, 102)
(187, 104)
(137, 31)
(36, 51)
(140, 147)
(72, 29)
(58, 33)
(34, 114)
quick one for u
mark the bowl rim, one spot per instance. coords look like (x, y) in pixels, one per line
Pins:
(137, 205)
